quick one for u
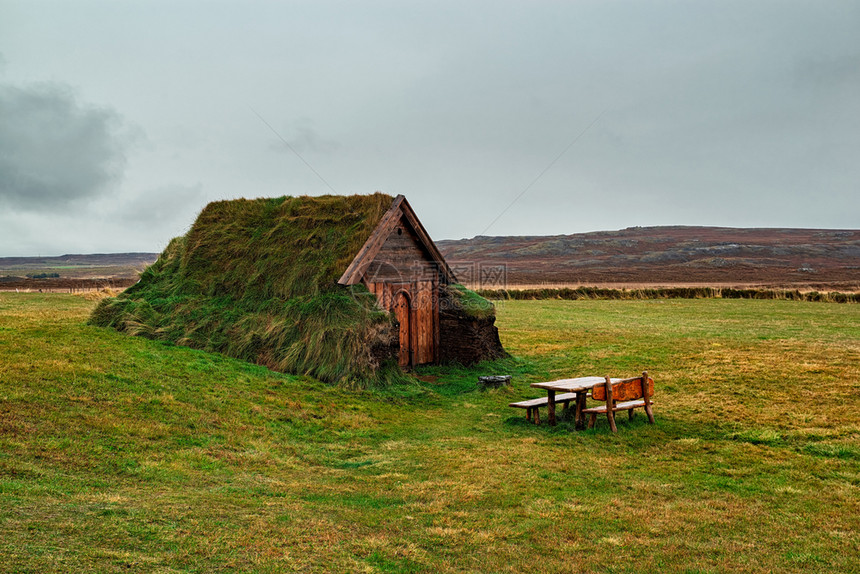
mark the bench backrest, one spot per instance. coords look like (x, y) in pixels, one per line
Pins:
(626, 390)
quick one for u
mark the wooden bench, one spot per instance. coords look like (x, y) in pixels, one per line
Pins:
(532, 405)
(623, 395)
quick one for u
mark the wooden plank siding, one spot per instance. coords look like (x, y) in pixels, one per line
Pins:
(424, 314)
(401, 259)
(402, 264)
(399, 215)
(424, 327)
(400, 256)
(356, 270)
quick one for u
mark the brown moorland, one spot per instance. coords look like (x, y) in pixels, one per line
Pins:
(637, 257)
(722, 256)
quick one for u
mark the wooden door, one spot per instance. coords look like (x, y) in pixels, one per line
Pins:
(402, 312)
(423, 324)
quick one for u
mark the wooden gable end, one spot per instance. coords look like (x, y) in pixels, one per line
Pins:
(405, 279)
(401, 265)
(402, 258)
(401, 245)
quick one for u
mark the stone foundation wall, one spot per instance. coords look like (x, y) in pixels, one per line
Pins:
(468, 340)
(385, 344)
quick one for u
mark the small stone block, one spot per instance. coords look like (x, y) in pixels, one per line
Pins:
(494, 382)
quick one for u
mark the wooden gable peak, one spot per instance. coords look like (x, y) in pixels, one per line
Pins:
(399, 209)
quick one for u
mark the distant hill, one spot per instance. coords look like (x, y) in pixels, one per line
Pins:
(638, 255)
(73, 271)
(667, 255)
(97, 260)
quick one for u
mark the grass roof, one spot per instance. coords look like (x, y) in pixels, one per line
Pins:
(284, 247)
(257, 279)
(469, 304)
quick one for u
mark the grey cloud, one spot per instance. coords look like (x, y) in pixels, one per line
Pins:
(826, 71)
(54, 150)
(118, 222)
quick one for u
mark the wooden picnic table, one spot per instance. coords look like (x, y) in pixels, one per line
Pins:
(580, 386)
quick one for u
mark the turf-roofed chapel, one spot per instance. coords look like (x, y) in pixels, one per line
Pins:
(345, 288)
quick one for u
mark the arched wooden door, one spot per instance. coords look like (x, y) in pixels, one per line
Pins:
(402, 312)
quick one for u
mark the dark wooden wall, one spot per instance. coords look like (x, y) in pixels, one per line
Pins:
(401, 259)
(403, 265)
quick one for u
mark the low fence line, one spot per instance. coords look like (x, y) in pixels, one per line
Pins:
(64, 284)
(66, 290)
(572, 294)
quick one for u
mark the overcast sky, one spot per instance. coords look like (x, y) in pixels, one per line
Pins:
(120, 120)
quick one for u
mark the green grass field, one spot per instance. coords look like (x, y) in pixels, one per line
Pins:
(120, 454)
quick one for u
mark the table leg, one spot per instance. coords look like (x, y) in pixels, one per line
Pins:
(550, 407)
(580, 405)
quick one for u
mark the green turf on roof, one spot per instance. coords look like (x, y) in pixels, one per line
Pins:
(283, 247)
(257, 279)
(470, 304)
